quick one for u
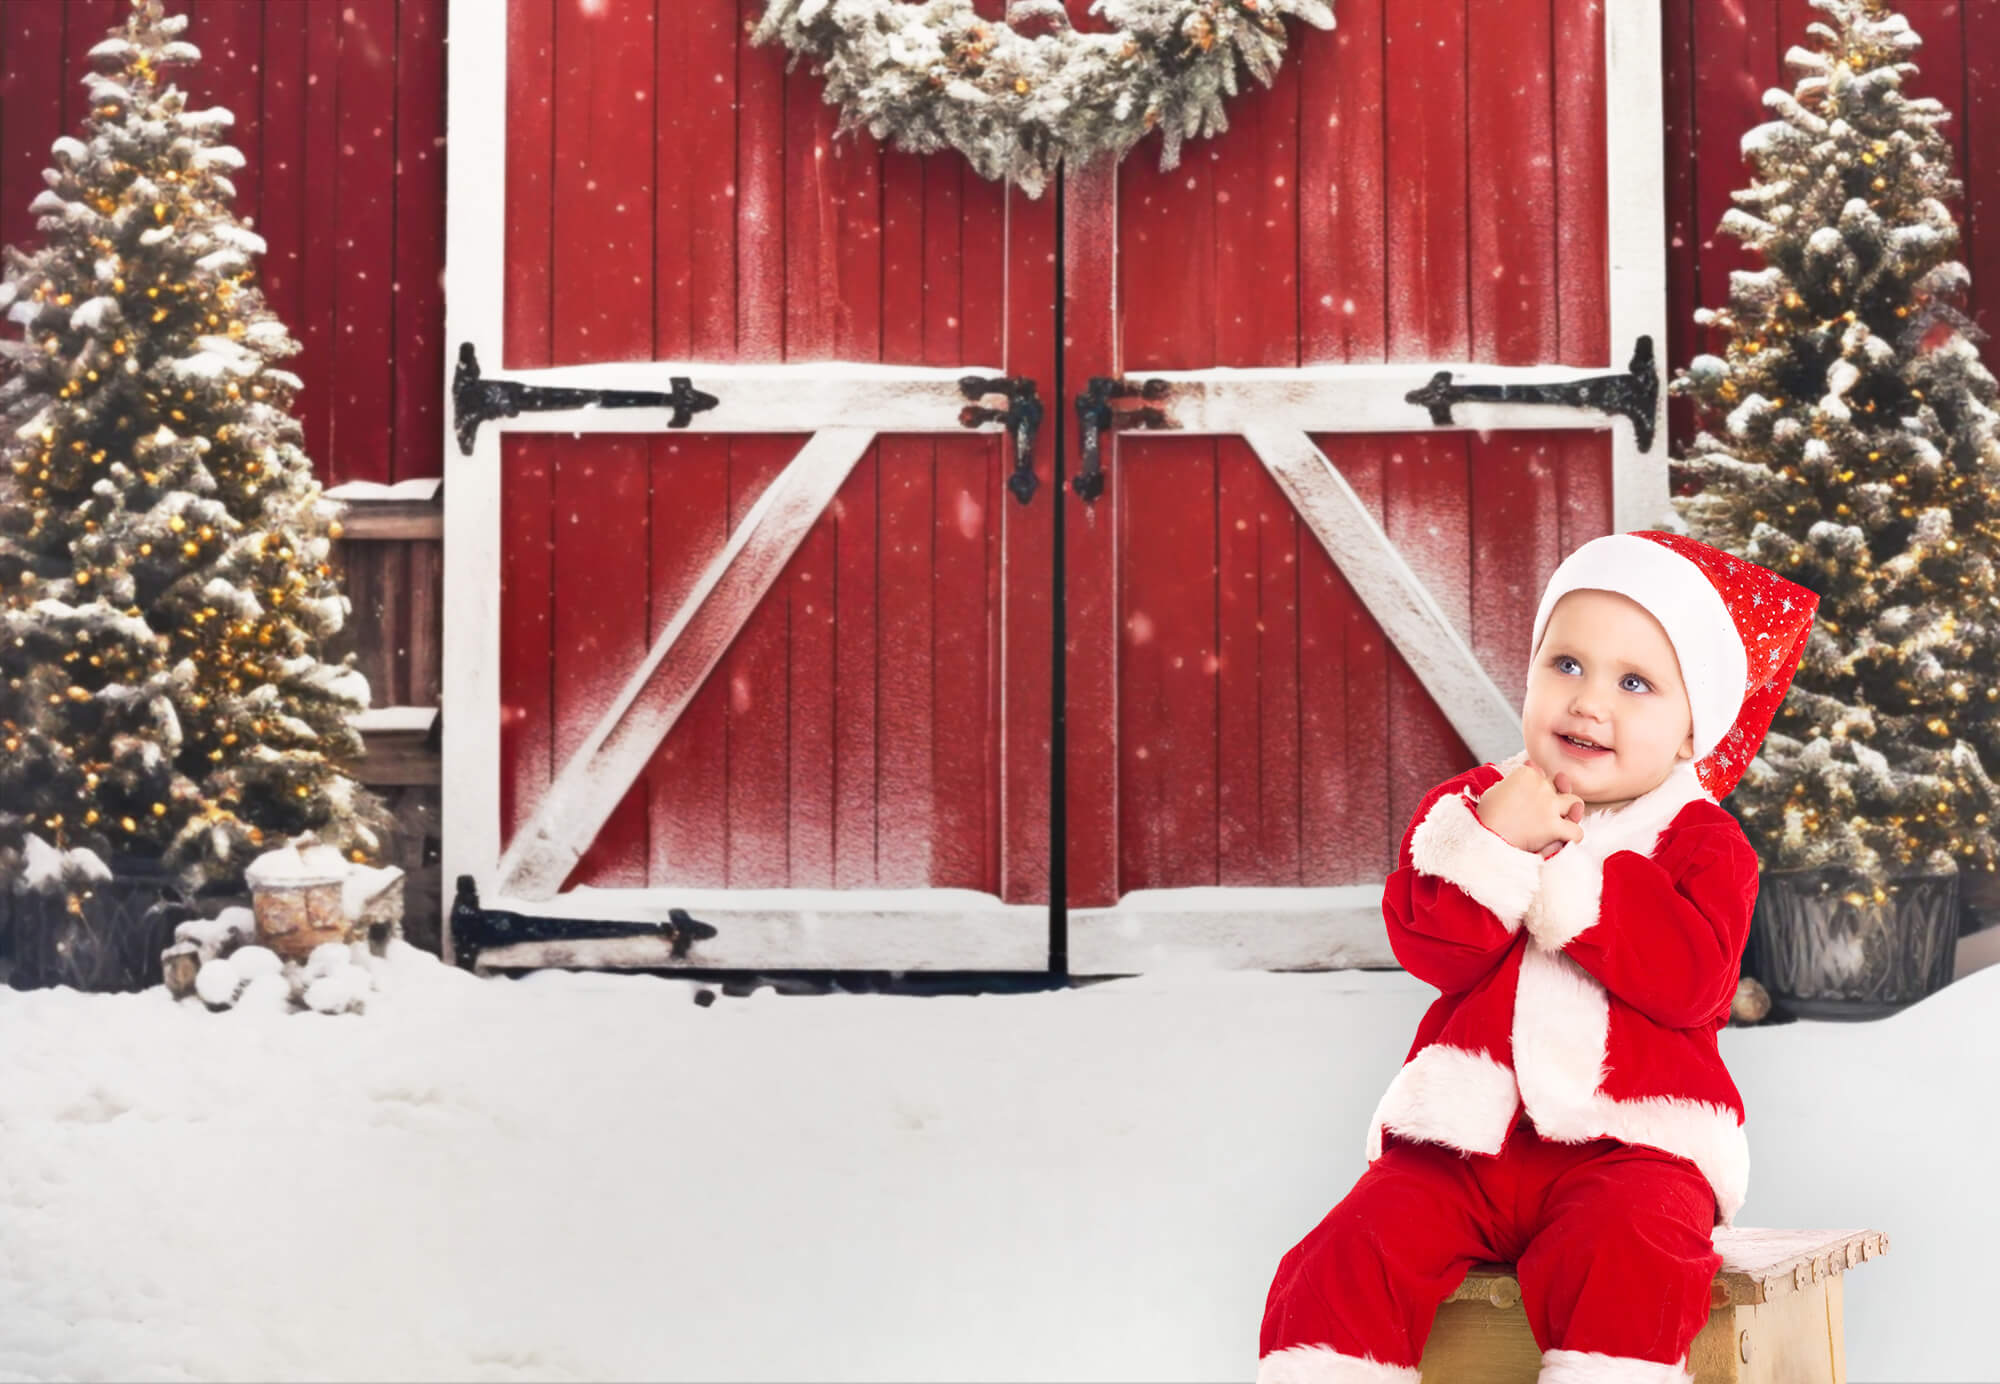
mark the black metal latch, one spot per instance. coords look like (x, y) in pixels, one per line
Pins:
(1095, 417)
(474, 929)
(1023, 417)
(1634, 394)
(474, 400)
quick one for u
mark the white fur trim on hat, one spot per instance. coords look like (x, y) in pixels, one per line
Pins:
(1325, 1365)
(1681, 597)
(1593, 1367)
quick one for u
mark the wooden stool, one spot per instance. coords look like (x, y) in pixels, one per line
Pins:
(1774, 1315)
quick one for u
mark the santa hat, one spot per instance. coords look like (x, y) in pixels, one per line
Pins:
(1738, 629)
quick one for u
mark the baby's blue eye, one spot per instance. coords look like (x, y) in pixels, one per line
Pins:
(1565, 658)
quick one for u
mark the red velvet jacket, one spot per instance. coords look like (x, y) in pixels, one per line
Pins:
(1589, 987)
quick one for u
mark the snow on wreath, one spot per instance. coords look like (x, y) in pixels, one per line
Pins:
(1019, 98)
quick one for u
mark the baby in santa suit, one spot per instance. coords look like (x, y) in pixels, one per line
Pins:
(1582, 906)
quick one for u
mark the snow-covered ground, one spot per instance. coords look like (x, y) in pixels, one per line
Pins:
(570, 1176)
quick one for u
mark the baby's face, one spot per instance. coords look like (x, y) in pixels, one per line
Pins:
(1606, 673)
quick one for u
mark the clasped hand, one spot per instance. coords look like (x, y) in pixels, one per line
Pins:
(1532, 813)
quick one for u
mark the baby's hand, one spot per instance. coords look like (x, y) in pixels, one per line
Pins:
(1531, 813)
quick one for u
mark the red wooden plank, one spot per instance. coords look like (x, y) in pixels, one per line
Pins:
(315, 325)
(905, 590)
(1425, 493)
(1167, 744)
(1980, 212)
(31, 113)
(1027, 535)
(603, 200)
(1343, 312)
(359, 374)
(855, 163)
(812, 296)
(1582, 226)
(983, 463)
(1513, 284)
(1739, 55)
(282, 179)
(694, 318)
(960, 212)
(1256, 256)
(1092, 602)
(527, 655)
(417, 288)
(755, 666)
(1426, 124)
(1164, 491)
(1677, 77)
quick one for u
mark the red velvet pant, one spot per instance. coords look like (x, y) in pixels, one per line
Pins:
(1612, 1243)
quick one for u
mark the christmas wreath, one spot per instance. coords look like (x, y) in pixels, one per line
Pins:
(1020, 97)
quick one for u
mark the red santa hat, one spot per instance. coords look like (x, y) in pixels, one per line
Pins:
(1738, 629)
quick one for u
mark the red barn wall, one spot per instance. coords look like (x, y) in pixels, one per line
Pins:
(340, 111)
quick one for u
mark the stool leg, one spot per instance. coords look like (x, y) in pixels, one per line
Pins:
(1594, 1367)
(1325, 1365)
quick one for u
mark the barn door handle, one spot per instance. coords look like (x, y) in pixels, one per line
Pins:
(1634, 394)
(475, 400)
(1023, 417)
(1095, 417)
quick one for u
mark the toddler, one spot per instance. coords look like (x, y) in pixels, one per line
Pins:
(1582, 907)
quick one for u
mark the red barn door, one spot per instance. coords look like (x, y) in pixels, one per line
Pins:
(1300, 599)
(747, 658)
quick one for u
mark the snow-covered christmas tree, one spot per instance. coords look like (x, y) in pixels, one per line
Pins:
(1855, 451)
(164, 578)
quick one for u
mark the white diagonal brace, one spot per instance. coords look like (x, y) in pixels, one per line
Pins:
(1394, 594)
(595, 780)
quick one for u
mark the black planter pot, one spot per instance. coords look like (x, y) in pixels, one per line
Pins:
(1824, 957)
(114, 943)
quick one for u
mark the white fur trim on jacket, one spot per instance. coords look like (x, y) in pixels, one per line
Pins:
(1562, 1022)
(1591, 1367)
(1325, 1365)
(1446, 1095)
(1451, 844)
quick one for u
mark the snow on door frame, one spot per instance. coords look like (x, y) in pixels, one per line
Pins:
(1277, 409)
(843, 406)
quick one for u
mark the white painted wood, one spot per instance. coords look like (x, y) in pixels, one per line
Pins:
(474, 294)
(1635, 145)
(1485, 719)
(590, 786)
(762, 398)
(1232, 929)
(1364, 398)
(793, 929)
